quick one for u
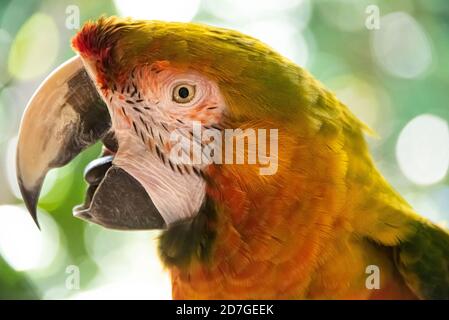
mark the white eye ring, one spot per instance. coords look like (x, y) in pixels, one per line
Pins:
(183, 93)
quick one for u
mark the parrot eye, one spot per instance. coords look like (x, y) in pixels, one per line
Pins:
(183, 93)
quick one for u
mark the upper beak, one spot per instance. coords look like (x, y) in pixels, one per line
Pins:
(64, 116)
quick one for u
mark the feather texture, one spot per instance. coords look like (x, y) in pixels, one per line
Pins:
(310, 230)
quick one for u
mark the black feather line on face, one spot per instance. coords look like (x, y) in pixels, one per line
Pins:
(137, 110)
(160, 139)
(192, 239)
(197, 171)
(135, 90)
(144, 123)
(171, 165)
(158, 152)
(186, 168)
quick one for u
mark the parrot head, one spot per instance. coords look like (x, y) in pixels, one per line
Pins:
(134, 83)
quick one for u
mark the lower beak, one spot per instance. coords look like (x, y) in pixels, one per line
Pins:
(116, 200)
(65, 116)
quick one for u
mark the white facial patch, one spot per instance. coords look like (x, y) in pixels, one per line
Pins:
(176, 195)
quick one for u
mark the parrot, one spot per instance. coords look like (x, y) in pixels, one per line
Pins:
(322, 224)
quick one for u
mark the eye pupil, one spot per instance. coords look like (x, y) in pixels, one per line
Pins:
(183, 92)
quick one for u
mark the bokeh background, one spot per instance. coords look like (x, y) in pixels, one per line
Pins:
(394, 77)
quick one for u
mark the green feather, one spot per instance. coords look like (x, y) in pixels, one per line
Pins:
(423, 261)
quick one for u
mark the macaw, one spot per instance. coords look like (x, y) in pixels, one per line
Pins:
(313, 229)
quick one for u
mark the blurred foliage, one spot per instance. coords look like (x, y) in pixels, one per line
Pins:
(15, 285)
(328, 37)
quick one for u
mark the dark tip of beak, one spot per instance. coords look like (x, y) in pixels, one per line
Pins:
(30, 197)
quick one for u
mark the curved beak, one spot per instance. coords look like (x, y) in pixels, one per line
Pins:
(64, 116)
